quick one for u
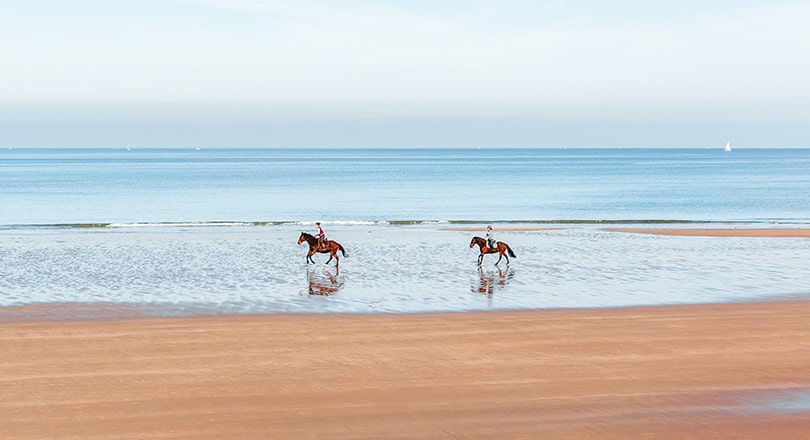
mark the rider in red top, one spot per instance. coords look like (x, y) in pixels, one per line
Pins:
(319, 233)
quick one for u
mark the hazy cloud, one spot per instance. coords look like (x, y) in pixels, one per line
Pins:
(625, 60)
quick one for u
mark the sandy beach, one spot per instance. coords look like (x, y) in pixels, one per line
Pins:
(706, 371)
(720, 232)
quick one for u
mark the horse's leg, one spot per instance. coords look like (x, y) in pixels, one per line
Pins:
(480, 258)
(331, 254)
(309, 255)
(499, 258)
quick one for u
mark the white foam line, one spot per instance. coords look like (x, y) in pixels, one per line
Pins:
(171, 225)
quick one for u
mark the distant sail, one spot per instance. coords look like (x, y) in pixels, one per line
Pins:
(728, 146)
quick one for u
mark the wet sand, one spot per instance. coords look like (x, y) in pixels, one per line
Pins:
(706, 371)
(720, 232)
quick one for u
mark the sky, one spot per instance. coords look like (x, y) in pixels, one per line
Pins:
(278, 73)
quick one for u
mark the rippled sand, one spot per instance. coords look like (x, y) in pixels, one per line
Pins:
(709, 371)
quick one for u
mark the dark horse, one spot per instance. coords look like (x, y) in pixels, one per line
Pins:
(501, 248)
(331, 247)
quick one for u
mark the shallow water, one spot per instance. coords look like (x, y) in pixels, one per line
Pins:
(145, 230)
(390, 268)
(781, 402)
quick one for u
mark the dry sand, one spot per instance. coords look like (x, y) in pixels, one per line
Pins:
(710, 371)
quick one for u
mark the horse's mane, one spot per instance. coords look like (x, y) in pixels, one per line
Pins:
(305, 234)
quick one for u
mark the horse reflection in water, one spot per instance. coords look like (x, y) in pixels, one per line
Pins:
(492, 280)
(324, 283)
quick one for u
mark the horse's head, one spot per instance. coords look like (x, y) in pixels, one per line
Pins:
(476, 241)
(302, 238)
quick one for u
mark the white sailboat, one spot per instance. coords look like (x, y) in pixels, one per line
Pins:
(728, 146)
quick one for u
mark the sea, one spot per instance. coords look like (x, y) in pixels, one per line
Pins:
(100, 232)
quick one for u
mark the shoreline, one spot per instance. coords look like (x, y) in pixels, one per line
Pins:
(45, 313)
(451, 225)
(675, 371)
(766, 232)
(719, 232)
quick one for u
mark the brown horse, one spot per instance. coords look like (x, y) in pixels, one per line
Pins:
(331, 247)
(500, 247)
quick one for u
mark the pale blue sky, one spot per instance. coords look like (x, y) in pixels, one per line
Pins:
(402, 73)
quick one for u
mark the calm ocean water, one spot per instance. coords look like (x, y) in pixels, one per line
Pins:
(67, 186)
(186, 231)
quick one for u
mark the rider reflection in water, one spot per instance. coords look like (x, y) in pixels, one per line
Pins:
(489, 282)
(325, 284)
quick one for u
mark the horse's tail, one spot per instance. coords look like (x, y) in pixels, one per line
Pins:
(340, 246)
(508, 249)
